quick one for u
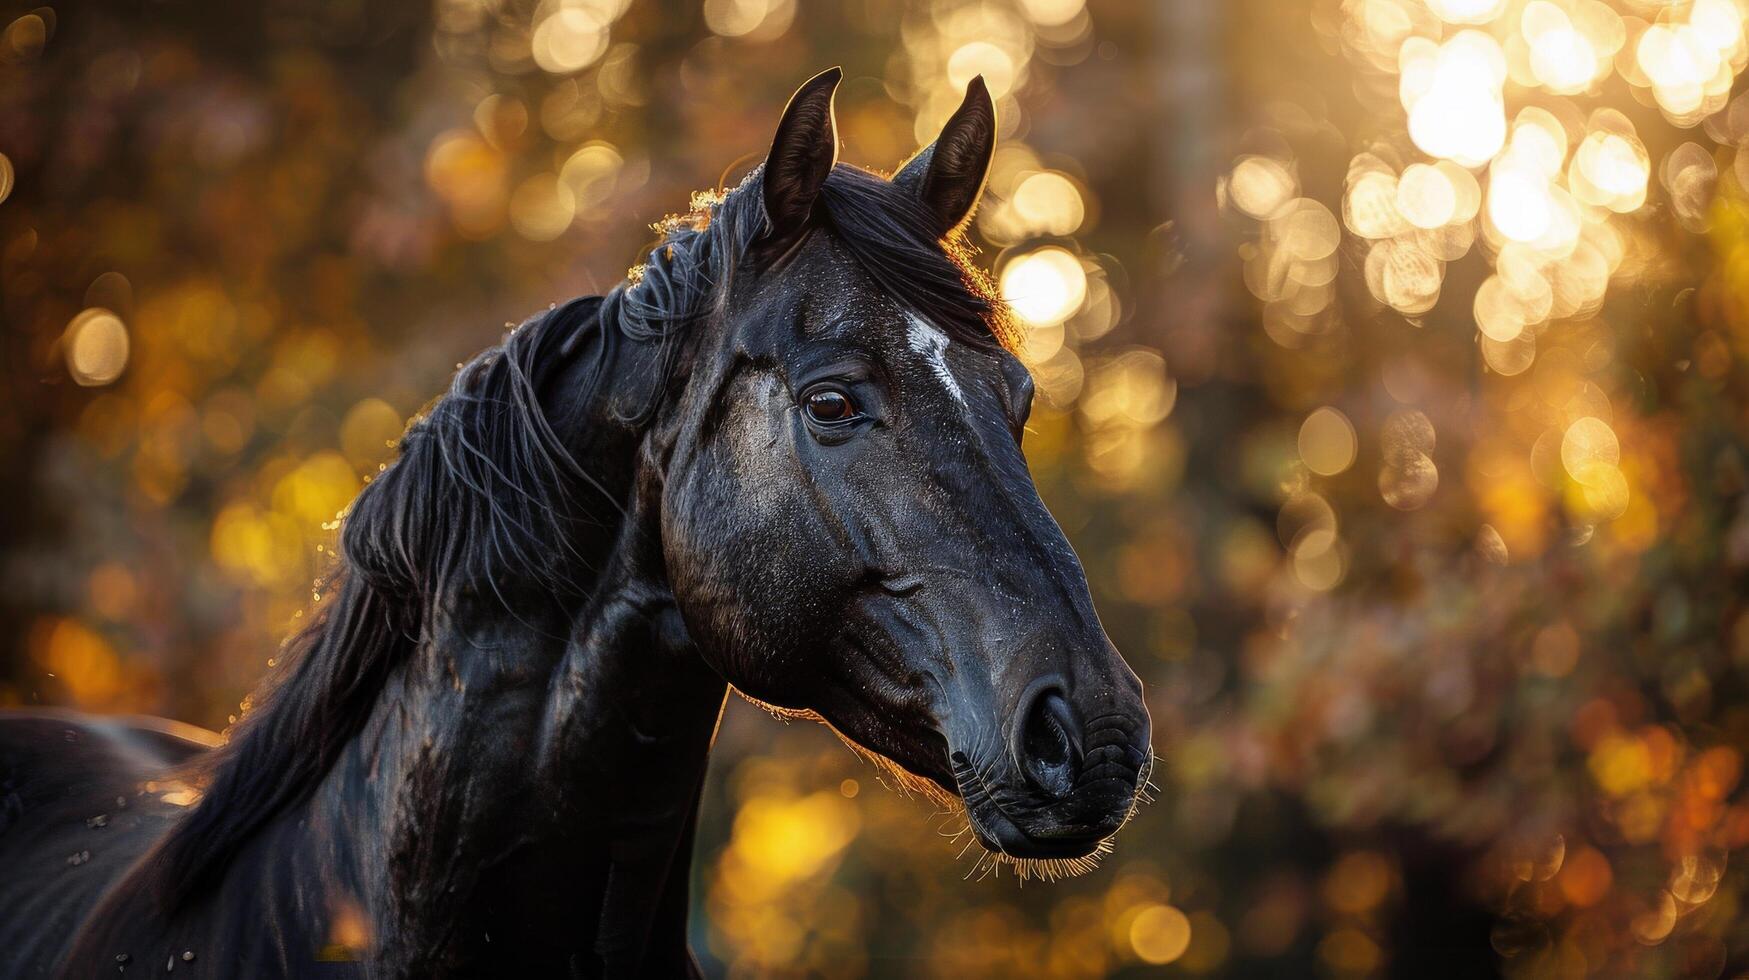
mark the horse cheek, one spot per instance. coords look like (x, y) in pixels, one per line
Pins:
(726, 533)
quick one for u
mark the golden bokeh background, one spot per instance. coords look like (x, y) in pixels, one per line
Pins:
(1391, 368)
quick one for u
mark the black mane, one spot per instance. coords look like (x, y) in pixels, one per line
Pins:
(484, 492)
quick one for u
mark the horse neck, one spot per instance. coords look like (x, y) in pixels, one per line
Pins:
(531, 798)
(530, 776)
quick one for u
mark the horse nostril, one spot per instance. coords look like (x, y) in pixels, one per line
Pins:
(1050, 743)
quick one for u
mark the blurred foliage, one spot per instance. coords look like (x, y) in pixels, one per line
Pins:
(1391, 368)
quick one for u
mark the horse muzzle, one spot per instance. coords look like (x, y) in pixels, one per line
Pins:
(1060, 787)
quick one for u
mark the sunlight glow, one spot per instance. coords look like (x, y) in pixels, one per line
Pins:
(1453, 95)
(1563, 60)
(1045, 286)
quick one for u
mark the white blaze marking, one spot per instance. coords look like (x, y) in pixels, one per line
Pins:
(927, 339)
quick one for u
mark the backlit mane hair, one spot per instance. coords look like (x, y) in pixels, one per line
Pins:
(484, 492)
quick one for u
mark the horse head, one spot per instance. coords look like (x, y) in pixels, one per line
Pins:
(846, 517)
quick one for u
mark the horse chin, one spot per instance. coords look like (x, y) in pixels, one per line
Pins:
(1029, 858)
(1049, 849)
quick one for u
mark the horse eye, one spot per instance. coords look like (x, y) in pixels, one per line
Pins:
(830, 406)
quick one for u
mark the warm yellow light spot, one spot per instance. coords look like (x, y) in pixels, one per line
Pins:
(96, 347)
(976, 58)
(1610, 169)
(180, 794)
(1045, 286)
(1500, 316)
(1369, 208)
(368, 433)
(1519, 205)
(6, 177)
(1052, 13)
(1408, 482)
(1302, 514)
(1585, 877)
(1383, 26)
(1621, 764)
(1720, 22)
(1453, 95)
(1565, 225)
(542, 207)
(570, 39)
(1555, 650)
(569, 110)
(785, 840)
(1405, 433)
(1404, 275)
(1358, 882)
(1308, 232)
(1690, 175)
(755, 20)
(26, 36)
(1466, 11)
(1599, 493)
(1425, 196)
(1468, 192)
(468, 174)
(1061, 378)
(1159, 934)
(500, 119)
(1491, 546)
(1049, 203)
(83, 661)
(1327, 443)
(243, 542)
(1538, 144)
(1563, 60)
(1132, 390)
(349, 933)
(1587, 442)
(1209, 944)
(1695, 879)
(1691, 65)
(1350, 952)
(111, 590)
(316, 489)
(1262, 186)
(607, 10)
(1655, 925)
(1318, 559)
(591, 174)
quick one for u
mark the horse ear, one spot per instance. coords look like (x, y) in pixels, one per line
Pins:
(802, 154)
(948, 174)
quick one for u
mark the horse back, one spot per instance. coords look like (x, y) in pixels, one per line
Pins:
(79, 804)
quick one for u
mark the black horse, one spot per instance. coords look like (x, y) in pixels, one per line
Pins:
(783, 456)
